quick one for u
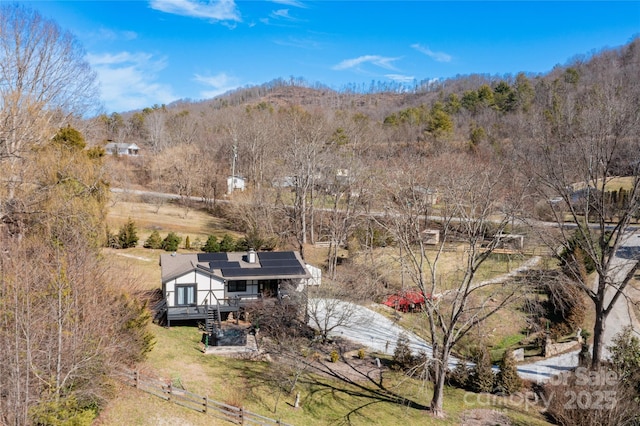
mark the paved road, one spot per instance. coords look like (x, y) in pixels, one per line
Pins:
(380, 334)
(621, 315)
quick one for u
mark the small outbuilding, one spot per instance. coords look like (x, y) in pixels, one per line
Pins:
(235, 182)
(126, 149)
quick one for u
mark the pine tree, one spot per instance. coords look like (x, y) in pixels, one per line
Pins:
(154, 241)
(402, 353)
(212, 245)
(460, 375)
(507, 381)
(482, 377)
(128, 236)
(187, 243)
(171, 242)
(227, 244)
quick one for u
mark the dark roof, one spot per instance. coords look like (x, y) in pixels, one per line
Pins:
(235, 265)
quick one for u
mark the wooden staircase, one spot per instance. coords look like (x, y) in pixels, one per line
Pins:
(213, 320)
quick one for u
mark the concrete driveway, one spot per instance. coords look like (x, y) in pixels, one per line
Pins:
(380, 334)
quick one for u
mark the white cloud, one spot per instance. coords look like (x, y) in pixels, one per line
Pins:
(401, 78)
(299, 42)
(217, 84)
(437, 56)
(217, 10)
(380, 61)
(283, 14)
(128, 80)
(103, 34)
(292, 3)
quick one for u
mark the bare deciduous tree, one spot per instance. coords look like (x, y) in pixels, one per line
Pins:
(44, 81)
(581, 138)
(472, 215)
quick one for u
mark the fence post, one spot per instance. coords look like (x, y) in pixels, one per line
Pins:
(206, 404)
(169, 389)
(241, 415)
(135, 378)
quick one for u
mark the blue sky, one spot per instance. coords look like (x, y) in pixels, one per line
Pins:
(159, 51)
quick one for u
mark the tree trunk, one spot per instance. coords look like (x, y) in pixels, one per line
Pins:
(598, 336)
(437, 409)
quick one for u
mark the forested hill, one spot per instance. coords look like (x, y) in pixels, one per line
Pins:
(464, 109)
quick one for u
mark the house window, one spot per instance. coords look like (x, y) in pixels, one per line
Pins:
(185, 294)
(236, 286)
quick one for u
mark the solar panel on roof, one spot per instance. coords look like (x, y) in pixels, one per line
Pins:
(273, 271)
(209, 257)
(279, 262)
(273, 255)
(219, 264)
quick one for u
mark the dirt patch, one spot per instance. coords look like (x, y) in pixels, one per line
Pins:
(483, 417)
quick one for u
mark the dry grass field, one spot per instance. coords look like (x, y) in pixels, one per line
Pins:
(164, 218)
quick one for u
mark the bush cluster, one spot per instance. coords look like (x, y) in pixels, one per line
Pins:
(481, 378)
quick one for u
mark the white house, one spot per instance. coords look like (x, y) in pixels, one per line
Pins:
(195, 284)
(126, 149)
(235, 182)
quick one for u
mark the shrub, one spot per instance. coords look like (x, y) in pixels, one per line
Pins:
(128, 236)
(586, 397)
(361, 353)
(482, 377)
(402, 353)
(187, 243)
(171, 242)
(334, 356)
(64, 411)
(154, 241)
(459, 377)
(507, 380)
(112, 240)
(625, 358)
(212, 245)
(227, 244)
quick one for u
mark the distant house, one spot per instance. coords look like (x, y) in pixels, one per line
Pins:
(208, 286)
(284, 182)
(235, 182)
(126, 149)
(430, 236)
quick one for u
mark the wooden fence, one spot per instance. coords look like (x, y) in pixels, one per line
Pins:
(202, 404)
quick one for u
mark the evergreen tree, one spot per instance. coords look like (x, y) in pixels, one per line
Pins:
(482, 377)
(402, 353)
(127, 236)
(507, 381)
(212, 245)
(227, 244)
(171, 242)
(154, 241)
(625, 358)
(459, 376)
(187, 243)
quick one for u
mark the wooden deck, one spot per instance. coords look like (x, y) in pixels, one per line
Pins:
(195, 312)
(199, 312)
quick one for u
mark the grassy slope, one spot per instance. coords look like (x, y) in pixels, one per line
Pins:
(177, 357)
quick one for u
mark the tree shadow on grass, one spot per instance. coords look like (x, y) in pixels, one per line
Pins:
(356, 387)
(345, 388)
